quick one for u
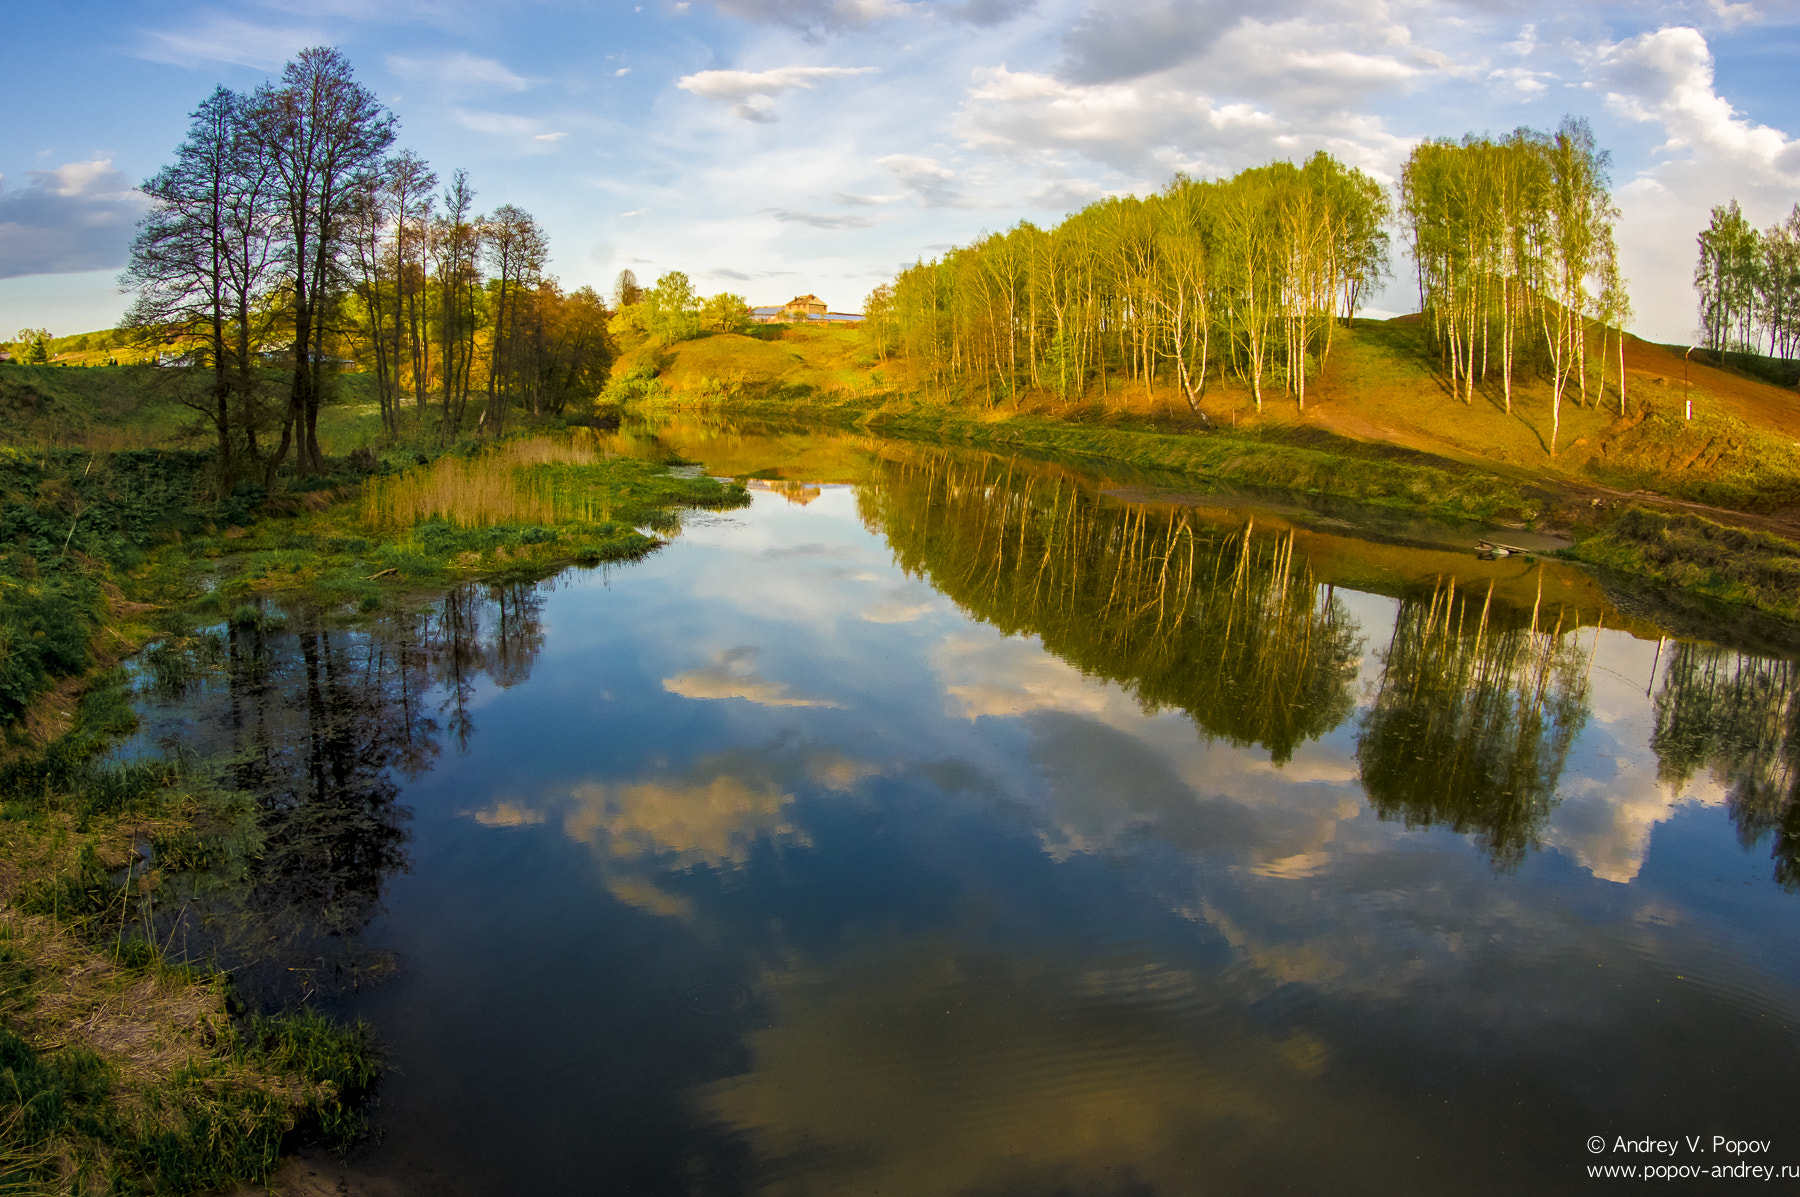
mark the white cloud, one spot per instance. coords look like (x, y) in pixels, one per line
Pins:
(733, 676)
(1523, 83)
(1732, 15)
(459, 71)
(78, 216)
(1149, 129)
(930, 182)
(1710, 153)
(1667, 77)
(209, 37)
(750, 91)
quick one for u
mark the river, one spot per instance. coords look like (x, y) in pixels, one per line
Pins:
(948, 824)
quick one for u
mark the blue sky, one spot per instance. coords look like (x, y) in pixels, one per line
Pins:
(772, 147)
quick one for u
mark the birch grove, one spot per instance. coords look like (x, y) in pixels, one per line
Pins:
(1243, 278)
(1517, 269)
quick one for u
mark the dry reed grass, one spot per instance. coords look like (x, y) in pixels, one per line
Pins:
(501, 486)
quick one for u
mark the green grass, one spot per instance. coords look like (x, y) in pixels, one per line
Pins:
(1755, 569)
(483, 513)
(1715, 459)
(119, 1071)
(1248, 458)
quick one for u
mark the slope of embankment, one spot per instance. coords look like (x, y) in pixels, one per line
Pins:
(1379, 425)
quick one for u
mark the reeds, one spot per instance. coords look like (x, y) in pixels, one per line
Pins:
(518, 482)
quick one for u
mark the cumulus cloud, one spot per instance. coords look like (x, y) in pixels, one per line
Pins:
(714, 820)
(1667, 77)
(1521, 82)
(459, 71)
(749, 92)
(1124, 125)
(1124, 42)
(1710, 152)
(1150, 128)
(507, 814)
(734, 676)
(79, 216)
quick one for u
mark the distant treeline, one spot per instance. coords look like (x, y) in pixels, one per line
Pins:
(286, 242)
(1246, 278)
(1243, 275)
(1749, 284)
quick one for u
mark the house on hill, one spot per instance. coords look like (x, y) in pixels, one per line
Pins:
(802, 309)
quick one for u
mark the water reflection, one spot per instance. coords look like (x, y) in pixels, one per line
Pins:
(1738, 716)
(1127, 856)
(1472, 721)
(1223, 624)
(317, 726)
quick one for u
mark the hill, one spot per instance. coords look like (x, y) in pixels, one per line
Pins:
(1709, 505)
(1380, 396)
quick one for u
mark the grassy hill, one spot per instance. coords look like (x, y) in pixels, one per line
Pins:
(1719, 494)
(1379, 394)
(110, 408)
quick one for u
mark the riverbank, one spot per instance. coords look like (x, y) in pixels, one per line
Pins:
(1735, 557)
(133, 1063)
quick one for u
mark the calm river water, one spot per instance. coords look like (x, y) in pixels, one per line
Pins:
(953, 826)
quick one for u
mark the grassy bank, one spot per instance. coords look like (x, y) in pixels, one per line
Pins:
(121, 1070)
(526, 507)
(1379, 428)
(1679, 549)
(1274, 458)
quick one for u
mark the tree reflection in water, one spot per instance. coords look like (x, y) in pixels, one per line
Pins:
(315, 724)
(1473, 719)
(1225, 625)
(1738, 716)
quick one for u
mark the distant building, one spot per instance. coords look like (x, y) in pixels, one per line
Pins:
(802, 309)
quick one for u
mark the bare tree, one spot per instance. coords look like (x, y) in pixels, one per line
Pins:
(515, 248)
(324, 135)
(204, 257)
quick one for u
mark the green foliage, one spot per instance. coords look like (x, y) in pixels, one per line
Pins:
(639, 382)
(1514, 247)
(1248, 274)
(725, 313)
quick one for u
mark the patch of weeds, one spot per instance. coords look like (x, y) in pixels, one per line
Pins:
(339, 1062)
(1737, 565)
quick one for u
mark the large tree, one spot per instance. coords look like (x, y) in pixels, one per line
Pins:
(324, 135)
(515, 248)
(204, 257)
